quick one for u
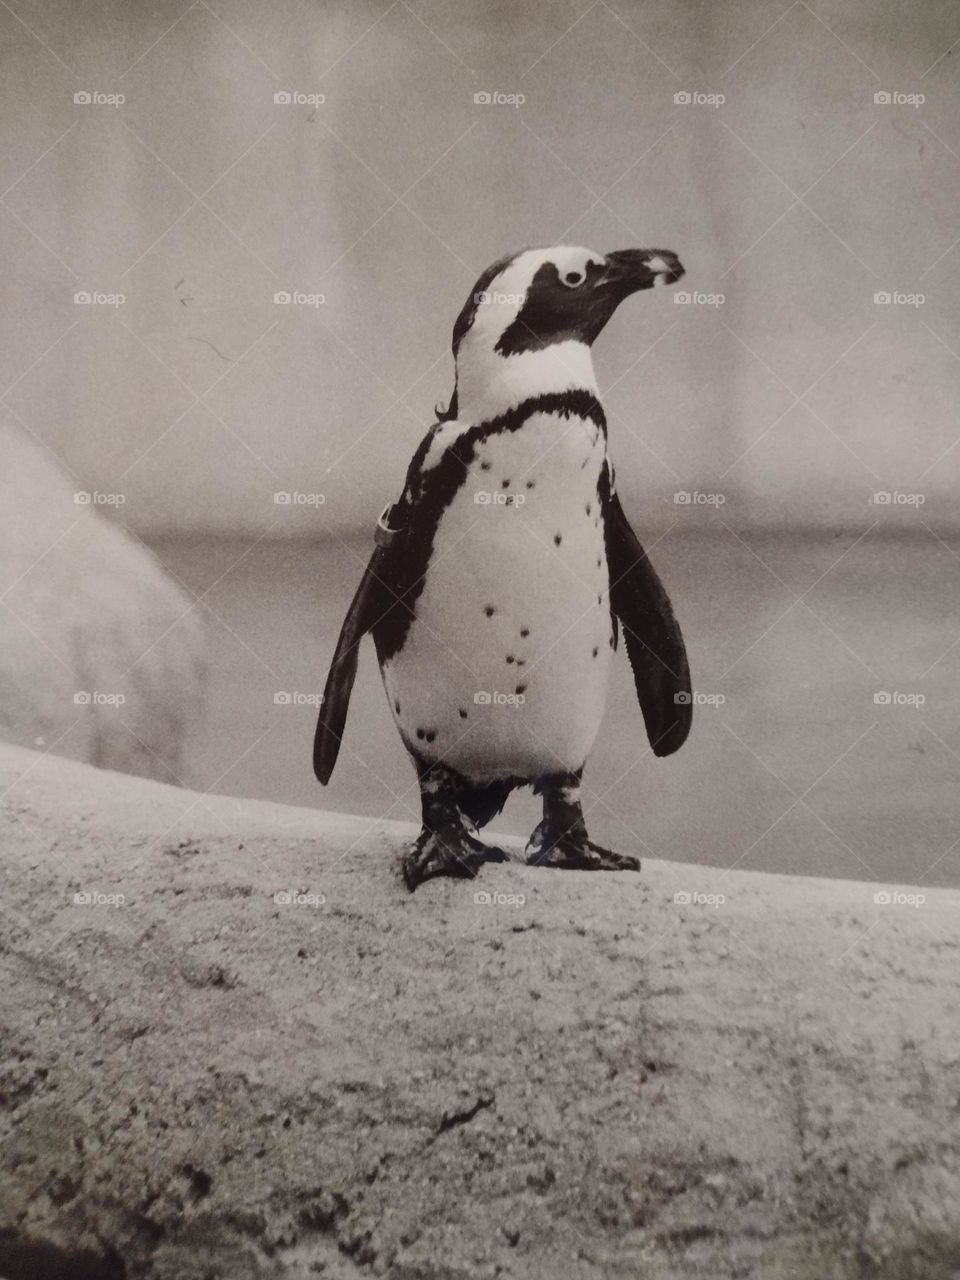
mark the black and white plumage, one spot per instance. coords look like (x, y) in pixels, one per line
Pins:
(495, 597)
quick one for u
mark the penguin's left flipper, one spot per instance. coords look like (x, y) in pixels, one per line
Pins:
(373, 600)
(655, 645)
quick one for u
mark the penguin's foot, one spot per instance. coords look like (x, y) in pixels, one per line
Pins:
(449, 852)
(561, 838)
(572, 851)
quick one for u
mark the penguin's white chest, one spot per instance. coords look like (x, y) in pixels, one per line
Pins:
(504, 669)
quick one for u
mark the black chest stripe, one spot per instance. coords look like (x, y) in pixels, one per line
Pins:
(433, 491)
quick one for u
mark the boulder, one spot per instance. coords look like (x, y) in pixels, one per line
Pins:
(233, 1045)
(101, 653)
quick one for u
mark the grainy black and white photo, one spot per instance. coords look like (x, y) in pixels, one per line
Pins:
(479, 640)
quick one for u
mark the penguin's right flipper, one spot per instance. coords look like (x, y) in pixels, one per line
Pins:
(373, 600)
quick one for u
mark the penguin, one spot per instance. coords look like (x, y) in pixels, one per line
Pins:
(506, 570)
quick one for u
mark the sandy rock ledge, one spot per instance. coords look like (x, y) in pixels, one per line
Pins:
(580, 1077)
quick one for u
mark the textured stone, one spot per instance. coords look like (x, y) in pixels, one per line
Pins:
(88, 617)
(267, 1059)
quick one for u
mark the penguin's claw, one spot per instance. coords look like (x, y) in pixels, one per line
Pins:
(453, 853)
(574, 853)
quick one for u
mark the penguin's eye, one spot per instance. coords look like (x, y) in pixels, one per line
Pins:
(572, 278)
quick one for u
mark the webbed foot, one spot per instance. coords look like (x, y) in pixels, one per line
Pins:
(574, 852)
(451, 852)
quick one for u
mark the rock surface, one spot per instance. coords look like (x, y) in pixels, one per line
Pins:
(100, 653)
(245, 1051)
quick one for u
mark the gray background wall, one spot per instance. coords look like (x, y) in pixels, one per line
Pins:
(199, 197)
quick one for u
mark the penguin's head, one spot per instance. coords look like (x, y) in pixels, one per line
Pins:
(534, 314)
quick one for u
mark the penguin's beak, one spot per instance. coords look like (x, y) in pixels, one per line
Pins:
(627, 270)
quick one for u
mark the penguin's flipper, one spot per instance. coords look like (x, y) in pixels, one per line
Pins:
(654, 644)
(372, 601)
